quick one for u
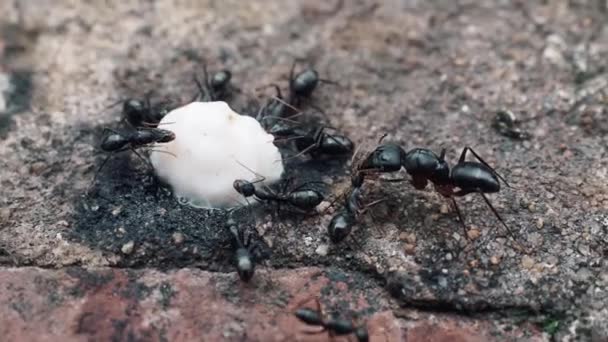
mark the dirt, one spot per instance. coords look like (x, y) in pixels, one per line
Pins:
(428, 74)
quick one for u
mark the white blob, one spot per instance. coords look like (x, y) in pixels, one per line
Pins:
(203, 161)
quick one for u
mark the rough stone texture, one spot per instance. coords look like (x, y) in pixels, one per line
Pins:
(430, 74)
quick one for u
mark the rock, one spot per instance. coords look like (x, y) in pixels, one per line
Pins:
(128, 247)
(527, 262)
(322, 250)
(178, 238)
(473, 233)
(409, 248)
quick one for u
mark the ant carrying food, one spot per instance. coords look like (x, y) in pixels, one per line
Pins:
(138, 113)
(115, 142)
(246, 252)
(424, 166)
(333, 326)
(215, 88)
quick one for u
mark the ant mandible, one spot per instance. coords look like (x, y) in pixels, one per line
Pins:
(334, 326)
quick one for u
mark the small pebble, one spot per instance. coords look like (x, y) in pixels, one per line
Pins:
(408, 237)
(5, 215)
(444, 209)
(495, 260)
(473, 233)
(128, 247)
(540, 222)
(473, 263)
(116, 211)
(527, 262)
(448, 257)
(409, 248)
(178, 238)
(323, 206)
(322, 249)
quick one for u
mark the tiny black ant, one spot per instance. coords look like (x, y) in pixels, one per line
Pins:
(333, 326)
(245, 252)
(215, 88)
(115, 142)
(505, 122)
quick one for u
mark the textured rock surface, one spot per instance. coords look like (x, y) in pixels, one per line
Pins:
(430, 74)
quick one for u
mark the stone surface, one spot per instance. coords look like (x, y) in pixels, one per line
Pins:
(430, 74)
(102, 304)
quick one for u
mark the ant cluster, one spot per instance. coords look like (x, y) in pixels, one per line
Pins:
(278, 117)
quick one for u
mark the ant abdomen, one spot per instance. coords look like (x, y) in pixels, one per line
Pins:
(385, 158)
(113, 142)
(306, 199)
(475, 177)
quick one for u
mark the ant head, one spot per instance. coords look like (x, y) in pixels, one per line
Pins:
(244, 264)
(244, 187)
(165, 136)
(339, 227)
(221, 79)
(309, 316)
(362, 334)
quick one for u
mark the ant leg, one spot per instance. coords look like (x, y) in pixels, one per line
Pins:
(99, 169)
(462, 158)
(318, 137)
(460, 217)
(502, 221)
(146, 161)
(201, 90)
(207, 84)
(258, 177)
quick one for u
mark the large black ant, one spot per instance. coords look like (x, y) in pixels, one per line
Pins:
(138, 113)
(215, 88)
(423, 165)
(245, 252)
(334, 326)
(303, 199)
(116, 142)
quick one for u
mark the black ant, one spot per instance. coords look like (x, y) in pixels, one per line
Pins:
(302, 84)
(343, 221)
(505, 122)
(116, 142)
(215, 88)
(245, 252)
(334, 326)
(314, 141)
(303, 199)
(423, 165)
(138, 113)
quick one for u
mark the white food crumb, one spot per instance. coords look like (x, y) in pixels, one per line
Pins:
(211, 142)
